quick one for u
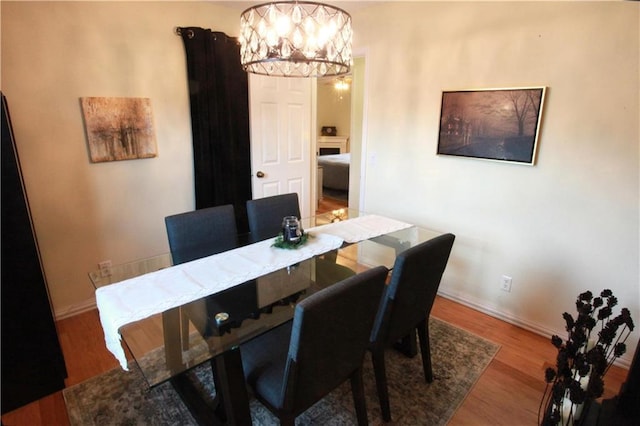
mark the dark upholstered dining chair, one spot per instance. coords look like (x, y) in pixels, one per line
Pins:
(295, 365)
(265, 214)
(200, 233)
(406, 305)
(265, 221)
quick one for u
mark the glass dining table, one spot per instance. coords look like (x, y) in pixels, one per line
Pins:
(166, 345)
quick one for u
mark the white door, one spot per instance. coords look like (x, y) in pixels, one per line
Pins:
(280, 121)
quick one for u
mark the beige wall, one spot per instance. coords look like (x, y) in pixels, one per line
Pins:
(53, 53)
(568, 224)
(357, 124)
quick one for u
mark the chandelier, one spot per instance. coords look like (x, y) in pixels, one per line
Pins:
(295, 39)
(341, 84)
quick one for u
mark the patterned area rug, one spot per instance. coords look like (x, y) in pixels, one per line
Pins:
(459, 359)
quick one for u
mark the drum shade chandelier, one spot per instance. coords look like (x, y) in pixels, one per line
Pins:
(295, 39)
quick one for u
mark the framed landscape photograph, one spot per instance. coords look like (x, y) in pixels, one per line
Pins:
(491, 124)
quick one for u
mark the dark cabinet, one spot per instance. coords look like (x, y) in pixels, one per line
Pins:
(32, 361)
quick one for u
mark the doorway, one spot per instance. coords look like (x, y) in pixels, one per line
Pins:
(349, 124)
(339, 122)
(281, 153)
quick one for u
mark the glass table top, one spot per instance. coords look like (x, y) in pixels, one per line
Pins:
(176, 340)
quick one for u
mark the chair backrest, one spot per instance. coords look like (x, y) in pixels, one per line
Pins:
(410, 294)
(329, 337)
(265, 214)
(201, 233)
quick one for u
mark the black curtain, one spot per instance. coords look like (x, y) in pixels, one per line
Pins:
(219, 96)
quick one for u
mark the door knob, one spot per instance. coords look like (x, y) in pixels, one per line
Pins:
(260, 174)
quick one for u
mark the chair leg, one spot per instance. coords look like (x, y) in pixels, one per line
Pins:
(425, 348)
(357, 389)
(377, 356)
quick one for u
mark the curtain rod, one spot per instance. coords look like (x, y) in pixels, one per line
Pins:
(191, 34)
(178, 31)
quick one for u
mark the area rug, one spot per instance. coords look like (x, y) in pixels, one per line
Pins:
(458, 358)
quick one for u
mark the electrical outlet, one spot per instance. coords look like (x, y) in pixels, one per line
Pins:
(105, 268)
(505, 283)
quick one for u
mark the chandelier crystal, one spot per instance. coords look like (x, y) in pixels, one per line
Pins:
(295, 39)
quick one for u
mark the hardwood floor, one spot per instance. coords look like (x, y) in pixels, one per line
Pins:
(507, 393)
(327, 204)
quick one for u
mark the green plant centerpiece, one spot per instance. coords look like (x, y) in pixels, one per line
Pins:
(279, 242)
(595, 339)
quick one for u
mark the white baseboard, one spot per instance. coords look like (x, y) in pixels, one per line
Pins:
(623, 362)
(76, 309)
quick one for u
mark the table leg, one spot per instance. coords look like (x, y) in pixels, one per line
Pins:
(408, 345)
(201, 411)
(171, 324)
(230, 385)
(231, 404)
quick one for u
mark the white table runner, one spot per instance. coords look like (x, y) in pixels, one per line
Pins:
(362, 228)
(141, 297)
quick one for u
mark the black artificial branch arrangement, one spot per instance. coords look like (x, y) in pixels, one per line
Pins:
(595, 340)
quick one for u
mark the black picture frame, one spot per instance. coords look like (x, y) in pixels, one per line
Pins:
(492, 124)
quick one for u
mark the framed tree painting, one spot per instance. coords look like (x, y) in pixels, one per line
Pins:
(491, 124)
(119, 128)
